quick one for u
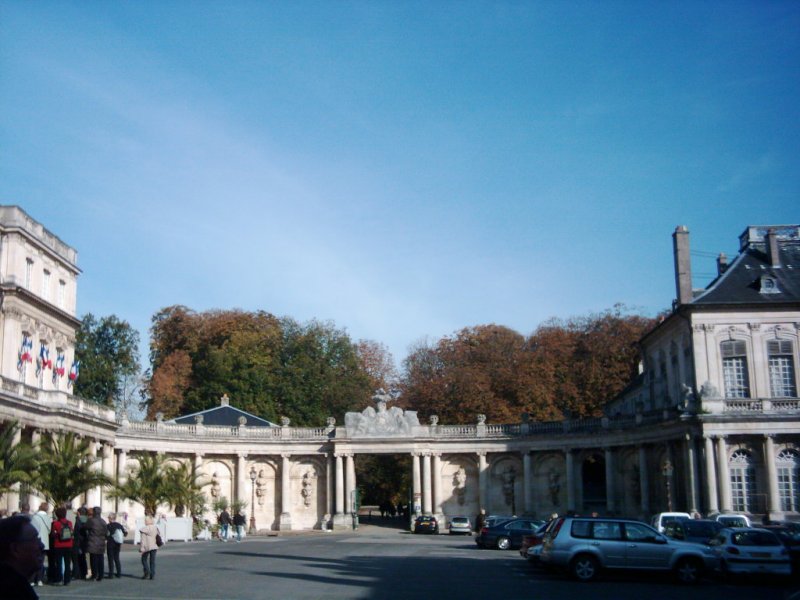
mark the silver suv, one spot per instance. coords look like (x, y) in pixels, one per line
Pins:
(585, 545)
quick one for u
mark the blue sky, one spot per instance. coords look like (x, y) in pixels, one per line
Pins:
(402, 169)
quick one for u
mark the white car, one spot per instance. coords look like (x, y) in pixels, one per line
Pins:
(734, 520)
(659, 520)
(751, 551)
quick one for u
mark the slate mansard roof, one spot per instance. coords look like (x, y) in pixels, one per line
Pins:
(752, 278)
(223, 415)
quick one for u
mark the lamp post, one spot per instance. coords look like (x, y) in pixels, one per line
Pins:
(667, 470)
(253, 476)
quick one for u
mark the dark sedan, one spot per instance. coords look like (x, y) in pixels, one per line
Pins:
(692, 530)
(426, 524)
(507, 534)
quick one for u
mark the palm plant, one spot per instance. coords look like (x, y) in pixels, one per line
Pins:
(17, 460)
(66, 469)
(184, 489)
(146, 484)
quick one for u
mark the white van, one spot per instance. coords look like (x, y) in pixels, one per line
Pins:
(732, 520)
(661, 519)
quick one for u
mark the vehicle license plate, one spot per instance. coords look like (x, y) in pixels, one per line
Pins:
(760, 554)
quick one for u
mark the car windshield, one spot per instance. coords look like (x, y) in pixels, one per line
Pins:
(700, 529)
(755, 538)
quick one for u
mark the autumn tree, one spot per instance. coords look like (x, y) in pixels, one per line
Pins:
(378, 363)
(565, 368)
(271, 367)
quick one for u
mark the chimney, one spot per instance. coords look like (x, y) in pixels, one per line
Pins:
(772, 248)
(683, 265)
(722, 263)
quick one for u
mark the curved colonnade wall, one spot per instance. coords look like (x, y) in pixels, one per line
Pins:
(302, 478)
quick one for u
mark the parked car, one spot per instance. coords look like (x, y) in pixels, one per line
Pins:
(426, 524)
(699, 531)
(586, 545)
(531, 544)
(790, 537)
(750, 550)
(734, 520)
(460, 525)
(493, 520)
(661, 519)
(507, 534)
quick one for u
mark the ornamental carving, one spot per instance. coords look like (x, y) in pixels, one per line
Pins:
(460, 485)
(381, 421)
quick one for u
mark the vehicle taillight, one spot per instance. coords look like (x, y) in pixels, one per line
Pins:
(732, 550)
(556, 529)
(484, 530)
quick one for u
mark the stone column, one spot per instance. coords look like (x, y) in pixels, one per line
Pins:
(329, 486)
(711, 476)
(286, 493)
(198, 462)
(436, 482)
(241, 473)
(12, 497)
(339, 485)
(93, 494)
(724, 475)
(644, 481)
(483, 476)
(416, 485)
(426, 483)
(691, 474)
(774, 499)
(122, 476)
(350, 483)
(670, 491)
(108, 471)
(611, 505)
(527, 503)
(570, 457)
(33, 500)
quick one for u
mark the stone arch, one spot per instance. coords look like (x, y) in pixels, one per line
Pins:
(220, 481)
(593, 482)
(505, 493)
(308, 489)
(459, 483)
(264, 498)
(549, 484)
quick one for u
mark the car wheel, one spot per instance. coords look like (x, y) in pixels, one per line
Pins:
(688, 570)
(584, 567)
(503, 543)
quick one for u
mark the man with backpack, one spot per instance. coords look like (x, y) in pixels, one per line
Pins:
(62, 535)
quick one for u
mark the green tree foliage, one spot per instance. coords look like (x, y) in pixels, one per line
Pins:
(383, 477)
(566, 367)
(66, 469)
(108, 351)
(270, 367)
(17, 461)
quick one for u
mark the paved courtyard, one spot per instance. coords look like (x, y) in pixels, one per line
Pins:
(373, 563)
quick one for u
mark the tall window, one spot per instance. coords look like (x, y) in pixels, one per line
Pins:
(781, 369)
(28, 273)
(62, 293)
(743, 481)
(46, 284)
(734, 369)
(788, 488)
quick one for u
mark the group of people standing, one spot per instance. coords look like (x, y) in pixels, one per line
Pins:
(67, 538)
(225, 523)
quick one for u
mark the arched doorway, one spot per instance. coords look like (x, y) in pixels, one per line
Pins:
(593, 479)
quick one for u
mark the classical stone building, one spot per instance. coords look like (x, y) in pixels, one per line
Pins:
(711, 424)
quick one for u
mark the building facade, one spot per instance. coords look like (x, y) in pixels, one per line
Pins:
(712, 423)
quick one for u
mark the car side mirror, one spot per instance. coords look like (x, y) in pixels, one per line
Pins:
(660, 539)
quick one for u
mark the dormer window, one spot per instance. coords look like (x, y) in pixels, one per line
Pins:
(768, 285)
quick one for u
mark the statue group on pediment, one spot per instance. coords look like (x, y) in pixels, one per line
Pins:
(381, 420)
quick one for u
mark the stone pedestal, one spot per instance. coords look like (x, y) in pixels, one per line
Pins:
(285, 522)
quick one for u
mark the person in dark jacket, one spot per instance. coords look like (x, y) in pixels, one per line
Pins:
(21, 556)
(96, 542)
(80, 569)
(116, 531)
(224, 524)
(63, 538)
(238, 522)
